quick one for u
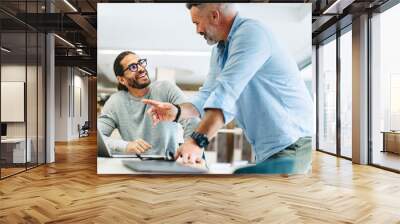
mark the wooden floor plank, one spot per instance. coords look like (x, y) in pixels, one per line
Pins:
(70, 191)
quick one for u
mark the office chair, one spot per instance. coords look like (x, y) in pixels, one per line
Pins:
(84, 130)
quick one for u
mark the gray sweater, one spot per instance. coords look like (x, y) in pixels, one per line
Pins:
(128, 114)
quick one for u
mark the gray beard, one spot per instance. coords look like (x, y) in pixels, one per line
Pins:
(210, 42)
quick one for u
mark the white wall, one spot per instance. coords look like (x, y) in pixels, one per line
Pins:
(61, 106)
(79, 117)
(67, 114)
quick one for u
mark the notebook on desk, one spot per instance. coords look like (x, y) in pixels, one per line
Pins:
(165, 167)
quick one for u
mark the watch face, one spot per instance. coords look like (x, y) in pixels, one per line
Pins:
(200, 139)
(202, 142)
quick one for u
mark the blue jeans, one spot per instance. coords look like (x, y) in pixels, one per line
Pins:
(295, 159)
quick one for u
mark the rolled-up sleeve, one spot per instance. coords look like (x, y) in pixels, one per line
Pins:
(248, 50)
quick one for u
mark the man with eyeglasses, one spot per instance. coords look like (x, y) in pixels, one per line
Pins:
(125, 111)
(253, 79)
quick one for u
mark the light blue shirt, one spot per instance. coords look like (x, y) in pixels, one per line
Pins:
(253, 79)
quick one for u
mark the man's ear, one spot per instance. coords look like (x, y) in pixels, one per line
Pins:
(121, 80)
(215, 17)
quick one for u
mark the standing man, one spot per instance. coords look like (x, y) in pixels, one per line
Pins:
(125, 111)
(253, 79)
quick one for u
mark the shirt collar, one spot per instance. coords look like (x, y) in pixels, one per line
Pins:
(231, 31)
(234, 26)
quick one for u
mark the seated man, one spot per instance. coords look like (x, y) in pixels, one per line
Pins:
(125, 111)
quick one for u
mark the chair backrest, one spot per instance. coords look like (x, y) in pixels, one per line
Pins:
(86, 125)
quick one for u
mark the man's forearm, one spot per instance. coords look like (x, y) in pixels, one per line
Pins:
(212, 121)
(188, 111)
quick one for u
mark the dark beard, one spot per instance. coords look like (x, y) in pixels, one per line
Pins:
(134, 84)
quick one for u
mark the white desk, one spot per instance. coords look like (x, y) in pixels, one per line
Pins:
(18, 150)
(115, 166)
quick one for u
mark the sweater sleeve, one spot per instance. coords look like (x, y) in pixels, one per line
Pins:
(107, 122)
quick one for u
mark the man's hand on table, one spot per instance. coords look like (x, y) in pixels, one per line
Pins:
(189, 153)
(138, 146)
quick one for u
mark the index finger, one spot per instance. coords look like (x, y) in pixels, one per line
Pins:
(151, 102)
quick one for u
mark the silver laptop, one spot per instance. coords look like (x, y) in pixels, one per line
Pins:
(162, 167)
(104, 151)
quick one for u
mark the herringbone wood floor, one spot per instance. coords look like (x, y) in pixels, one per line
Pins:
(70, 191)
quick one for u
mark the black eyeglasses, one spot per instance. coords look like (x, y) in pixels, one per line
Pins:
(135, 66)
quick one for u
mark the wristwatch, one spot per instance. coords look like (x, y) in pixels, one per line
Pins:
(178, 114)
(200, 139)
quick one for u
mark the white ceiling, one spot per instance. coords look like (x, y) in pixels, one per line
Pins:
(159, 30)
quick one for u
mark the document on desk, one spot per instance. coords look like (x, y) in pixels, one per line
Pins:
(165, 167)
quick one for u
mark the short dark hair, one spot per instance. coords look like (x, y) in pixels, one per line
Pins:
(118, 69)
(194, 4)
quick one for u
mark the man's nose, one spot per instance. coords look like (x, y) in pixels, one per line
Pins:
(140, 68)
(199, 31)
